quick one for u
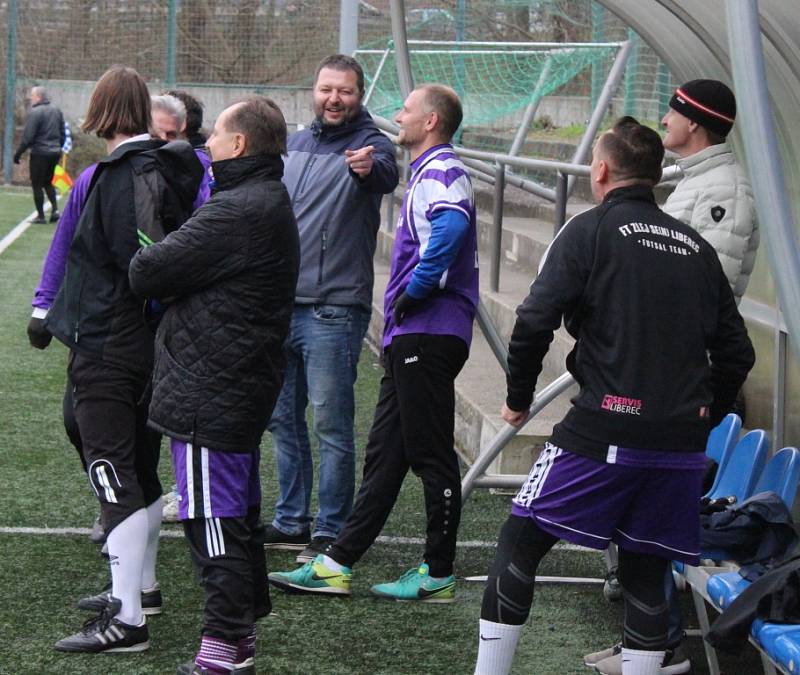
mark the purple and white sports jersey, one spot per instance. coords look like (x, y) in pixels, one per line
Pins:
(439, 181)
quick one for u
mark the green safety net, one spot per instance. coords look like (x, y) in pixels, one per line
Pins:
(493, 81)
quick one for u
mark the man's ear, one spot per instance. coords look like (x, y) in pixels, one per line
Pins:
(602, 172)
(239, 145)
(432, 122)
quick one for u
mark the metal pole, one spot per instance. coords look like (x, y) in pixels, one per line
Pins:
(348, 26)
(497, 226)
(599, 112)
(561, 201)
(779, 382)
(631, 75)
(11, 85)
(458, 65)
(530, 110)
(543, 398)
(400, 39)
(763, 156)
(598, 30)
(172, 36)
(377, 74)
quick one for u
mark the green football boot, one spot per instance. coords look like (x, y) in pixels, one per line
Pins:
(417, 584)
(314, 578)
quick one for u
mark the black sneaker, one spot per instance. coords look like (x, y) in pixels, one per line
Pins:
(54, 216)
(275, 539)
(246, 667)
(39, 220)
(152, 602)
(318, 545)
(104, 633)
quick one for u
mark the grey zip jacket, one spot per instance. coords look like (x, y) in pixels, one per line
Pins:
(44, 130)
(338, 213)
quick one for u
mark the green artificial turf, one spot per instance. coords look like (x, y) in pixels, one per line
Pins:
(42, 575)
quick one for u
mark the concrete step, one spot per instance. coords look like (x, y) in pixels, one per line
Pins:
(480, 387)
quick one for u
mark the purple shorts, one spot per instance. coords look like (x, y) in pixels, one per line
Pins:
(645, 501)
(215, 484)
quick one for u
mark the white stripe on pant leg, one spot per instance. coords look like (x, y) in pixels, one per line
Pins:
(189, 480)
(206, 483)
(221, 538)
(102, 478)
(211, 545)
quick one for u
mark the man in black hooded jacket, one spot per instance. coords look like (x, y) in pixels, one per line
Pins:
(228, 276)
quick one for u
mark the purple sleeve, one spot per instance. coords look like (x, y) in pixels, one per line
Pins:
(56, 261)
(204, 191)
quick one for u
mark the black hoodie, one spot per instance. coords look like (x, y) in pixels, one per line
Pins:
(95, 312)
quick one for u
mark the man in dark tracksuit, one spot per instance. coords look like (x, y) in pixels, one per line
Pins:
(44, 134)
(660, 352)
(230, 273)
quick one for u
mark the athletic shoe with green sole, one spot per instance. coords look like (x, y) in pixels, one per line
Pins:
(417, 584)
(314, 578)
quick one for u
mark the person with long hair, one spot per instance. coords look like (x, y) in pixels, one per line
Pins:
(101, 320)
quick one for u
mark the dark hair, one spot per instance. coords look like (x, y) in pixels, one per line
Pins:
(633, 150)
(120, 104)
(194, 110)
(342, 62)
(713, 138)
(262, 123)
(444, 101)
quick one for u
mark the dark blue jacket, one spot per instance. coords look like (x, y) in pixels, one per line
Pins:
(337, 213)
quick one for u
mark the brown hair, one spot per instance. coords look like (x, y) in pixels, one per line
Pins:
(262, 123)
(444, 101)
(633, 150)
(342, 62)
(120, 104)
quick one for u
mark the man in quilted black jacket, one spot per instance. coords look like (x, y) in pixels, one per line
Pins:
(228, 278)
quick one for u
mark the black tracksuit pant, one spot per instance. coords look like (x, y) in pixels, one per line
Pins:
(412, 429)
(41, 169)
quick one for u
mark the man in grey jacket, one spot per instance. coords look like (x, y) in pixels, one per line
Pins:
(44, 135)
(337, 171)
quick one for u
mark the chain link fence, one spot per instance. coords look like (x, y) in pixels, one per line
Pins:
(222, 49)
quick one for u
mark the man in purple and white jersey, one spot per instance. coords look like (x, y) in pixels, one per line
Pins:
(429, 305)
(660, 352)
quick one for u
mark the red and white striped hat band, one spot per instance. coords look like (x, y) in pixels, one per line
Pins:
(688, 99)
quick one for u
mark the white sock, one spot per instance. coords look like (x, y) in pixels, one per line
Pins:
(496, 646)
(127, 543)
(640, 662)
(150, 553)
(331, 564)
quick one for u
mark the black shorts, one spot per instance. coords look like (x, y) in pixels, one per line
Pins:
(111, 404)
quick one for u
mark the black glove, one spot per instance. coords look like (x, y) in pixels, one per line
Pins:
(17, 157)
(38, 335)
(404, 304)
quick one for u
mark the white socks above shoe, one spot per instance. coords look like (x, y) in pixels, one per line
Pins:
(496, 646)
(640, 662)
(153, 530)
(127, 544)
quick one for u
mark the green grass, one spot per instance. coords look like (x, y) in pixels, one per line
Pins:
(41, 485)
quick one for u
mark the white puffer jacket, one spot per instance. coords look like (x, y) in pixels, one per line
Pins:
(716, 199)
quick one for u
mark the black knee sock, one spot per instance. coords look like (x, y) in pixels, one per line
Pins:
(509, 591)
(646, 614)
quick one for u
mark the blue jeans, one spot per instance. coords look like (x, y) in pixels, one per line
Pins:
(322, 352)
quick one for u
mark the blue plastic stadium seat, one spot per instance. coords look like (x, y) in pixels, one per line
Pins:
(769, 635)
(781, 475)
(786, 650)
(738, 476)
(722, 441)
(724, 588)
